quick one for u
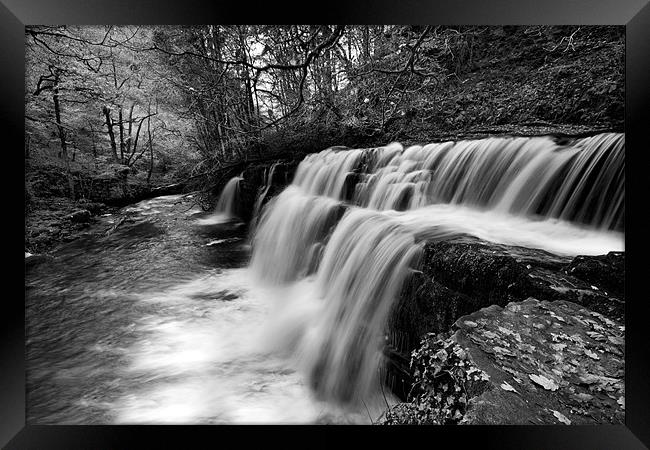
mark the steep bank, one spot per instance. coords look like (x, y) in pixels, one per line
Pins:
(518, 78)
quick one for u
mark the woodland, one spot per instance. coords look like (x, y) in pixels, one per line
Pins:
(115, 114)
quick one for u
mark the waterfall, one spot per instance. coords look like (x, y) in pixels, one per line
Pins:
(264, 190)
(582, 181)
(351, 226)
(361, 272)
(225, 209)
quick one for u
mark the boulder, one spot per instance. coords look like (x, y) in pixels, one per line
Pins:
(253, 183)
(462, 275)
(532, 362)
(170, 189)
(80, 216)
(606, 271)
(548, 363)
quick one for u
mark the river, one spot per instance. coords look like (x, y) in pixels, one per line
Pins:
(158, 322)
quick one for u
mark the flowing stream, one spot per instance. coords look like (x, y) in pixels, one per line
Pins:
(226, 205)
(179, 317)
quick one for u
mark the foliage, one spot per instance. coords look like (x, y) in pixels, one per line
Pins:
(190, 100)
(113, 103)
(445, 379)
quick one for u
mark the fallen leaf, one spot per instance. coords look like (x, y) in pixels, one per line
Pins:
(576, 338)
(589, 379)
(617, 340)
(506, 387)
(583, 397)
(601, 380)
(544, 382)
(490, 335)
(596, 336)
(503, 351)
(561, 417)
(504, 330)
(528, 348)
(609, 322)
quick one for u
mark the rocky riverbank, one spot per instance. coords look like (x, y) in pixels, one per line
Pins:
(547, 332)
(530, 362)
(52, 217)
(461, 276)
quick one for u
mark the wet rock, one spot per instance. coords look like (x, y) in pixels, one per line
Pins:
(119, 187)
(81, 216)
(427, 305)
(544, 363)
(170, 189)
(548, 363)
(606, 271)
(460, 276)
(253, 182)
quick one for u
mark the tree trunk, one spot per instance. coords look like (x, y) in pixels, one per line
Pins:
(150, 150)
(365, 52)
(111, 133)
(28, 139)
(128, 139)
(135, 143)
(62, 135)
(121, 124)
(248, 85)
(92, 138)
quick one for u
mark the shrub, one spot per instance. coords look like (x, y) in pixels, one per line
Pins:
(445, 378)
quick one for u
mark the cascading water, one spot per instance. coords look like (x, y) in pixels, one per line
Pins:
(582, 182)
(264, 190)
(341, 239)
(225, 209)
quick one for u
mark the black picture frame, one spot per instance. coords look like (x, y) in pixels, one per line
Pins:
(634, 14)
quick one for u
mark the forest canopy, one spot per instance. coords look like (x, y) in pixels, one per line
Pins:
(182, 101)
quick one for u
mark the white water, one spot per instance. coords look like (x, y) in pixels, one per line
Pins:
(264, 190)
(225, 209)
(582, 182)
(211, 361)
(221, 361)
